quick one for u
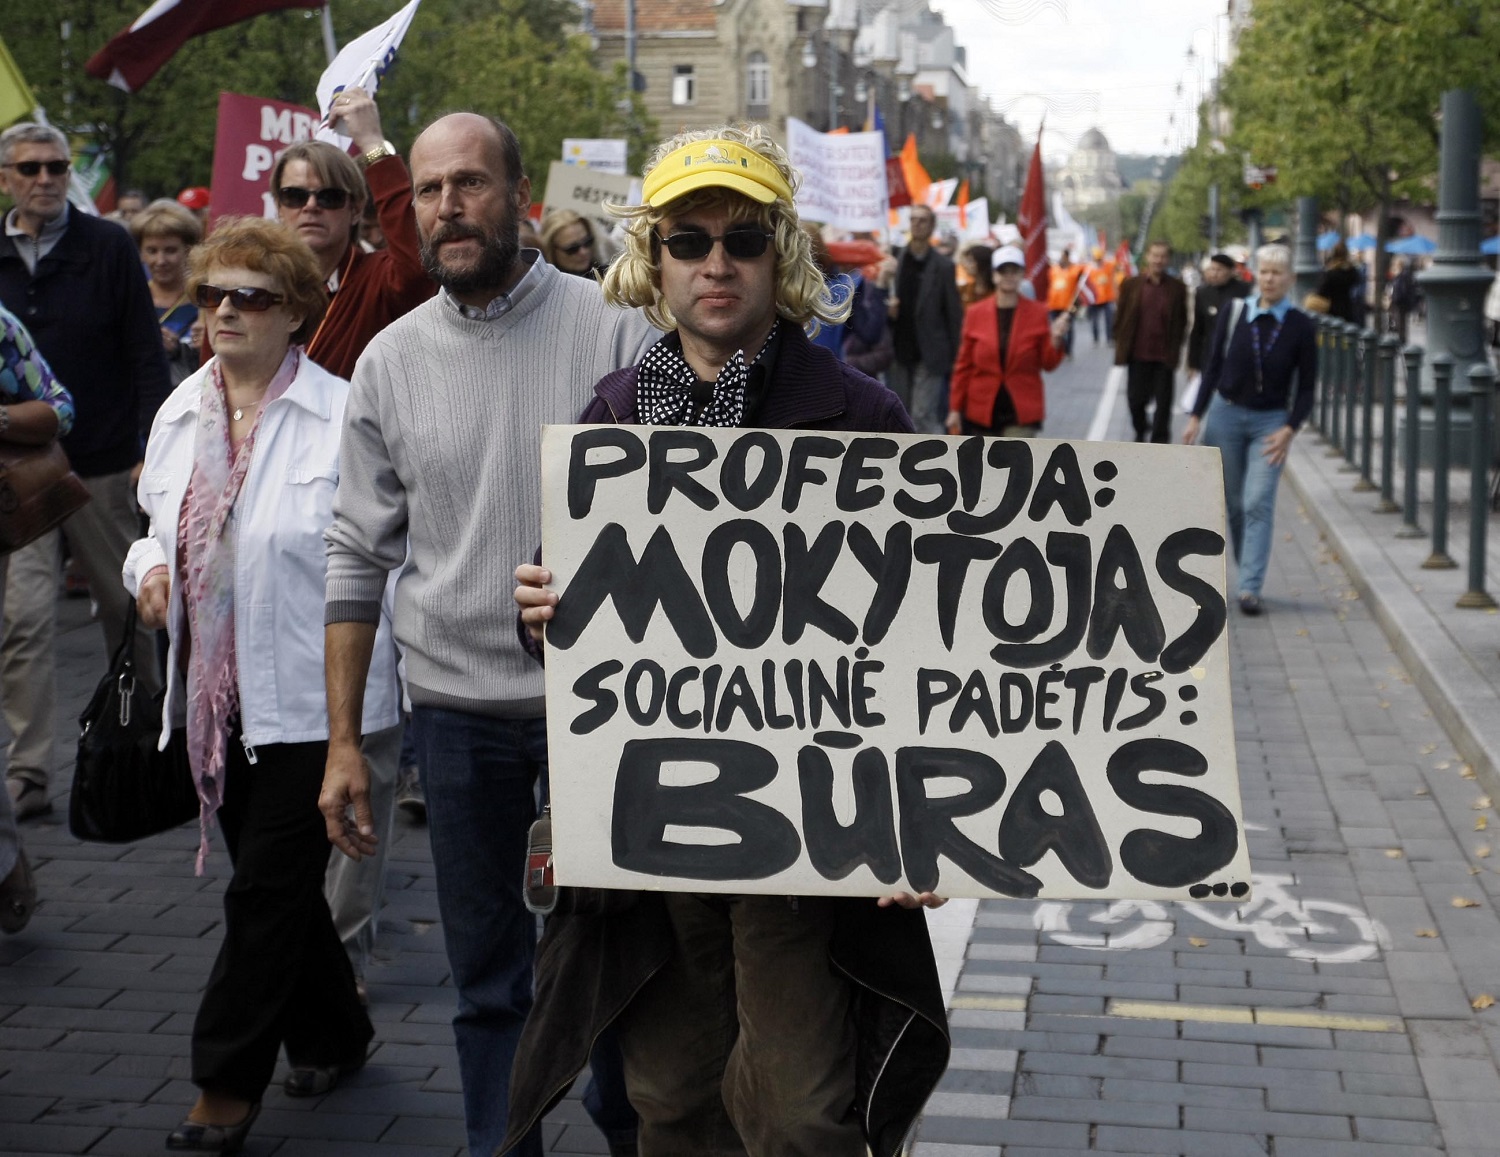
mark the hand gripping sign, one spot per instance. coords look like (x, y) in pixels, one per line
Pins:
(845, 664)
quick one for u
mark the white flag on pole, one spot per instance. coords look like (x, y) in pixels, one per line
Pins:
(362, 62)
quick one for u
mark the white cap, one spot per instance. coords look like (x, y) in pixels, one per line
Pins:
(1008, 255)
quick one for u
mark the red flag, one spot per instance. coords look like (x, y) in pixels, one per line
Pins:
(1124, 263)
(1032, 221)
(135, 55)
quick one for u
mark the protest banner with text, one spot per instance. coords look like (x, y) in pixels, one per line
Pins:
(585, 189)
(852, 664)
(252, 132)
(843, 177)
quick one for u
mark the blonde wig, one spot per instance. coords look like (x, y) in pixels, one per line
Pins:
(802, 296)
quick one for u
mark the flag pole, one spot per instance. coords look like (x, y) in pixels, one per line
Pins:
(330, 45)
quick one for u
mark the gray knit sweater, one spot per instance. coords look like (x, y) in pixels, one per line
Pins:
(441, 450)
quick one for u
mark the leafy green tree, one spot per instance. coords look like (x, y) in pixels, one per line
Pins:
(517, 59)
(1342, 97)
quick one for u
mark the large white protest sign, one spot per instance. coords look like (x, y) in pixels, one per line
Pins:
(362, 62)
(843, 177)
(809, 663)
(584, 190)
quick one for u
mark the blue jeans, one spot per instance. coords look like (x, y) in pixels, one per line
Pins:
(1249, 483)
(480, 777)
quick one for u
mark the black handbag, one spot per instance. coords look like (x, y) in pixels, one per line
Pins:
(124, 789)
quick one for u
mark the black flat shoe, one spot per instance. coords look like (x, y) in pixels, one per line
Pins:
(315, 1080)
(201, 1138)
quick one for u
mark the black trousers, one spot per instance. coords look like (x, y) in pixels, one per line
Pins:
(281, 975)
(1147, 383)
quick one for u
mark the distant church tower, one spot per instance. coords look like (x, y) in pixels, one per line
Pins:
(1091, 176)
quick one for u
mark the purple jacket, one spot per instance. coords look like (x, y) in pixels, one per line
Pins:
(810, 390)
(589, 967)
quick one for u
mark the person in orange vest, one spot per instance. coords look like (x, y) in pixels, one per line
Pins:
(1062, 292)
(1103, 284)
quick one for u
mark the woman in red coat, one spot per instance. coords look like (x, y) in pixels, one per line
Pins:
(1006, 344)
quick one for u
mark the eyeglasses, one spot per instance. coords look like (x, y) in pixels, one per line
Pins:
(296, 197)
(742, 244)
(34, 168)
(586, 243)
(249, 299)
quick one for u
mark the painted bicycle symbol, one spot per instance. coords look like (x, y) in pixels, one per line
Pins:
(1320, 930)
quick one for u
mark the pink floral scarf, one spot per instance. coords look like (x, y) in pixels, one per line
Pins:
(207, 539)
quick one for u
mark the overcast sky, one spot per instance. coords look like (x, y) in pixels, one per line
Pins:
(1111, 64)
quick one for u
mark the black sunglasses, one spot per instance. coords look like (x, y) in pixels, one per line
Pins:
(586, 243)
(295, 197)
(744, 244)
(247, 299)
(33, 168)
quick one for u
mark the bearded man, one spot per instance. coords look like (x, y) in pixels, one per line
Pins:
(440, 447)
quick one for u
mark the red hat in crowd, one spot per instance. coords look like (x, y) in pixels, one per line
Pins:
(195, 197)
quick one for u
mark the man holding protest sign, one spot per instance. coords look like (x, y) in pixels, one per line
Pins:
(758, 1024)
(439, 454)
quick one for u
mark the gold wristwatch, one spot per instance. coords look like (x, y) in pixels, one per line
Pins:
(383, 149)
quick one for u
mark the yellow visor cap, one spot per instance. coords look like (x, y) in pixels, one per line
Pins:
(714, 164)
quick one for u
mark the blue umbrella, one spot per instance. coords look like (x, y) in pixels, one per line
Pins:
(1411, 245)
(1327, 241)
(1490, 245)
(1363, 241)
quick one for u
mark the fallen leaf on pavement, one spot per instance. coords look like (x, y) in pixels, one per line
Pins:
(1422, 791)
(1483, 1001)
(1444, 766)
(1467, 772)
(1428, 748)
(1427, 933)
(1394, 853)
(1483, 851)
(1481, 823)
(1481, 804)
(1464, 902)
(1197, 942)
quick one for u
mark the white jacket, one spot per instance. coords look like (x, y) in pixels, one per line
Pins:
(280, 558)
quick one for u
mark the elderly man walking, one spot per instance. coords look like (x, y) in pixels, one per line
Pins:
(440, 450)
(761, 1025)
(76, 283)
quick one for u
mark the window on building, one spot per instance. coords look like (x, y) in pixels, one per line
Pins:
(757, 80)
(684, 84)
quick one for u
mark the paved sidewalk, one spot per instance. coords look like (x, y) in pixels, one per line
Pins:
(1331, 1018)
(1333, 1015)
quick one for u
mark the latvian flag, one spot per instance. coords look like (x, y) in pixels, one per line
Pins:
(135, 55)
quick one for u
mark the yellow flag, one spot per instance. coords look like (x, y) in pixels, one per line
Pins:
(16, 101)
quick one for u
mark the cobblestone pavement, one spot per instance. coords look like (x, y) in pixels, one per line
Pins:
(1332, 1017)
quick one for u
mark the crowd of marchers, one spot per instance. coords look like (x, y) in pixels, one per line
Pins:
(307, 442)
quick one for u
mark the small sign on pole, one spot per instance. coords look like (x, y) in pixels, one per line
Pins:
(604, 154)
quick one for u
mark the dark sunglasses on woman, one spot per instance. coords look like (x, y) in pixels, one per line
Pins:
(295, 197)
(34, 168)
(248, 299)
(586, 243)
(744, 244)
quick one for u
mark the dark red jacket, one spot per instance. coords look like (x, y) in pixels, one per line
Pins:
(375, 288)
(978, 376)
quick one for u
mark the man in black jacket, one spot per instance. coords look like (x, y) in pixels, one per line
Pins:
(1219, 288)
(926, 317)
(77, 283)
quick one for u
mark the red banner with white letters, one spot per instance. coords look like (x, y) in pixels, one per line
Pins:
(252, 133)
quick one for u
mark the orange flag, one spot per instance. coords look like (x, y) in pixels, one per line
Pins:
(916, 176)
(962, 201)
